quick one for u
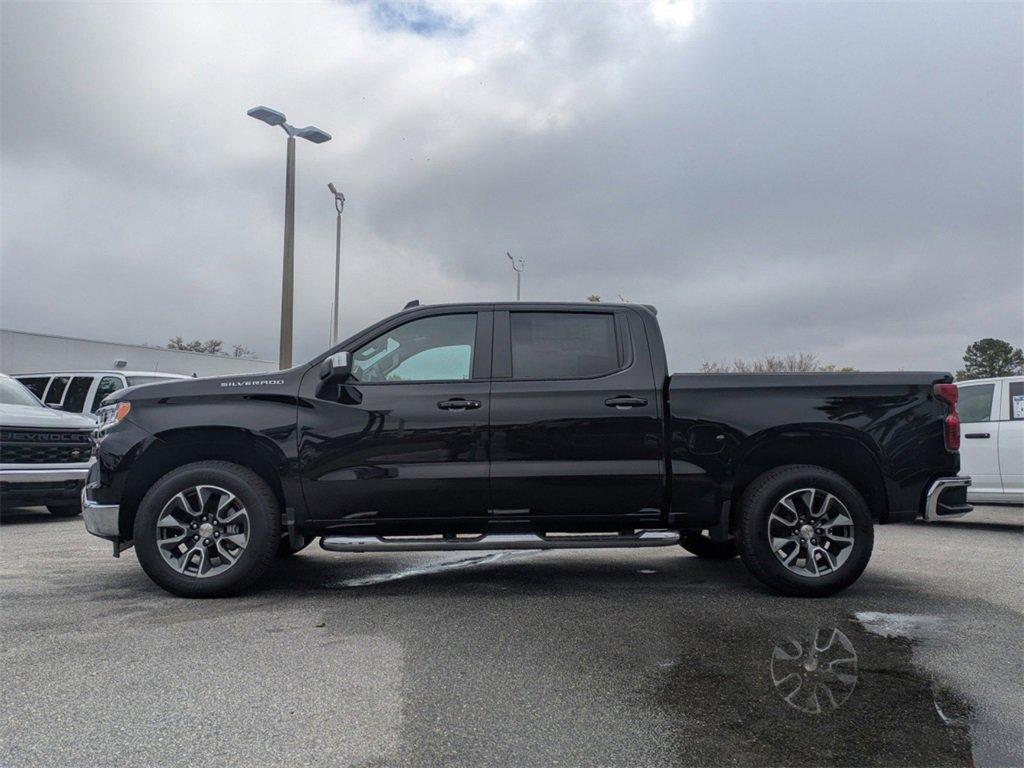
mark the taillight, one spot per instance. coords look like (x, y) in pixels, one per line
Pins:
(949, 394)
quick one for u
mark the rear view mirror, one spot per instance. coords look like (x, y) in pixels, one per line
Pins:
(337, 367)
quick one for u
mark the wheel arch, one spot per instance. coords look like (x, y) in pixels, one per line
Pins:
(177, 447)
(839, 450)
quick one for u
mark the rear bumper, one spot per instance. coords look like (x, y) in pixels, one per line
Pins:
(947, 498)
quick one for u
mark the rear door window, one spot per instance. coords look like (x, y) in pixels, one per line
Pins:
(975, 404)
(563, 345)
(107, 385)
(77, 392)
(35, 384)
(55, 393)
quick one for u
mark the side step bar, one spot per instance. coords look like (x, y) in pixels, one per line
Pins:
(646, 538)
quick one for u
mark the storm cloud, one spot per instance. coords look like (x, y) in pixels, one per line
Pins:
(842, 179)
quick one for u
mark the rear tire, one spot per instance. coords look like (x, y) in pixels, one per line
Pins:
(700, 545)
(769, 533)
(64, 510)
(228, 523)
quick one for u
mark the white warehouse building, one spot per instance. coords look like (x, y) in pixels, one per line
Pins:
(24, 352)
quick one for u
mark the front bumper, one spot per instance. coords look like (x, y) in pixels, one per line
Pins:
(41, 486)
(101, 520)
(947, 498)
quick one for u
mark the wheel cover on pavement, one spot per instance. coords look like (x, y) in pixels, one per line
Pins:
(811, 532)
(202, 531)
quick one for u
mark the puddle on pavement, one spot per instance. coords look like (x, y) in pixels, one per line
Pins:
(843, 695)
(439, 566)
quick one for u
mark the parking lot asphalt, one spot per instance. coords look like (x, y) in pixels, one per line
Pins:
(596, 658)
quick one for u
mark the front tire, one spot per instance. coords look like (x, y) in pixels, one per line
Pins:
(64, 510)
(207, 529)
(804, 531)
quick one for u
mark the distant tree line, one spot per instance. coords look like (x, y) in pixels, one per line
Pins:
(800, 362)
(208, 347)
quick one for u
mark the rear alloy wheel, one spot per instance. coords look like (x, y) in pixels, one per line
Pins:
(207, 529)
(64, 510)
(805, 531)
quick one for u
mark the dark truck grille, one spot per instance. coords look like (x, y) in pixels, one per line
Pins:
(38, 446)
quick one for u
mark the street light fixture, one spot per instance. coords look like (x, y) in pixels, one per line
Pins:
(339, 206)
(518, 264)
(317, 136)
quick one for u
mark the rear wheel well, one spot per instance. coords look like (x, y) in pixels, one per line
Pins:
(185, 448)
(845, 457)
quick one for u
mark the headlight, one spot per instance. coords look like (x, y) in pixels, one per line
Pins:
(111, 415)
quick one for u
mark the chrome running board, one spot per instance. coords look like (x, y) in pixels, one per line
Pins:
(646, 538)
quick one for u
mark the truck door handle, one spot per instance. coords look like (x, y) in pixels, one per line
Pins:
(978, 435)
(458, 404)
(624, 402)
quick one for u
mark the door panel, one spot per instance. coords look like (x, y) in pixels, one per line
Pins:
(372, 452)
(560, 448)
(1011, 440)
(979, 444)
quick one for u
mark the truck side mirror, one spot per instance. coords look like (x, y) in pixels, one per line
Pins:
(337, 367)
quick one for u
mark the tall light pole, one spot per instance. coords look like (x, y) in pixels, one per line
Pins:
(518, 265)
(339, 206)
(317, 136)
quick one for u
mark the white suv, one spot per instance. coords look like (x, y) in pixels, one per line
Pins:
(83, 391)
(992, 438)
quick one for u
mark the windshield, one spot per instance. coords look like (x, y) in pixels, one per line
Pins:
(13, 393)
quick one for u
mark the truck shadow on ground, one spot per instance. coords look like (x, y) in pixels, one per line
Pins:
(30, 516)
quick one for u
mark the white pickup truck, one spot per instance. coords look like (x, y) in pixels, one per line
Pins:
(44, 453)
(992, 449)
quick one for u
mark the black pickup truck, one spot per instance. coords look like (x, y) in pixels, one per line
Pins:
(504, 426)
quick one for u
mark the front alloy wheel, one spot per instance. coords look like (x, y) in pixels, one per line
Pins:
(202, 531)
(207, 529)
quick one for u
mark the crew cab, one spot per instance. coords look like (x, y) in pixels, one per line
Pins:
(502, 426)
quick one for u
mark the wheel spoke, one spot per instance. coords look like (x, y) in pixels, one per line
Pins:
(172, 542)
(842, 539)
(789, 505)
(227, 554)
(186, 506)
(828, 558)
(839, 520)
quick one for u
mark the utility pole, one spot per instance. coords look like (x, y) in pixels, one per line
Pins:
(339, 206)
(518, 265)
(317, 136)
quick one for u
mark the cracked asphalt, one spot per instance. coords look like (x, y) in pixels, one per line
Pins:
(597, 658)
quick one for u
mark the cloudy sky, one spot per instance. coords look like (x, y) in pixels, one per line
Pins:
(842, 179)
